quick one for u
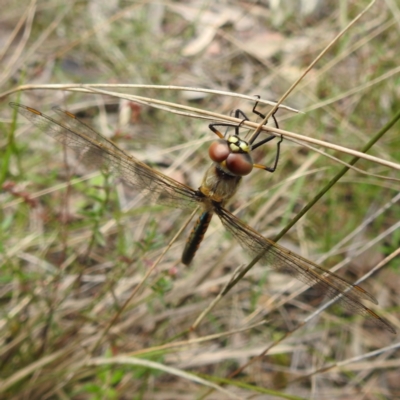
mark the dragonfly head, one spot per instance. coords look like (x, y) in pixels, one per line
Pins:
(232, 154)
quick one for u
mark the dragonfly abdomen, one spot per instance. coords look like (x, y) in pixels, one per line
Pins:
(196, 236)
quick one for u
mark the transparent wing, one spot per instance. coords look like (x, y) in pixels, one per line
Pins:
(306, 271)
(95, 150)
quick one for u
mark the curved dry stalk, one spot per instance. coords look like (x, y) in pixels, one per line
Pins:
(97, 88)
(339, 161)
(194, 112)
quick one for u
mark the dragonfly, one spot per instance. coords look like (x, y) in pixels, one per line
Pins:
(231, 160)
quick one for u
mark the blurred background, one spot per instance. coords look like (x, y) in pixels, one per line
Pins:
(75, 242)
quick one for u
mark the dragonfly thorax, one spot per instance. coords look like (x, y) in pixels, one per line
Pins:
(232, 155)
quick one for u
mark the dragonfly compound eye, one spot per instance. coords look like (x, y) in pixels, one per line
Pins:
(239, 163)
(219, 150)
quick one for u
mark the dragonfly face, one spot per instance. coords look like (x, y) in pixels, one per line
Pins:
(232, 155)
(219, 185)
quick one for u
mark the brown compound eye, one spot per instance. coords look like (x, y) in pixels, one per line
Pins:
(219, 150)
(239, 163)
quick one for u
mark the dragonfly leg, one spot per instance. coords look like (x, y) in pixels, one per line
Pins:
(238, 113)
(266, 140)
(278, 151)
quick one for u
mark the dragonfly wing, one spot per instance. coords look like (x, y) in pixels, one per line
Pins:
(306, 271)
(95, 150)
